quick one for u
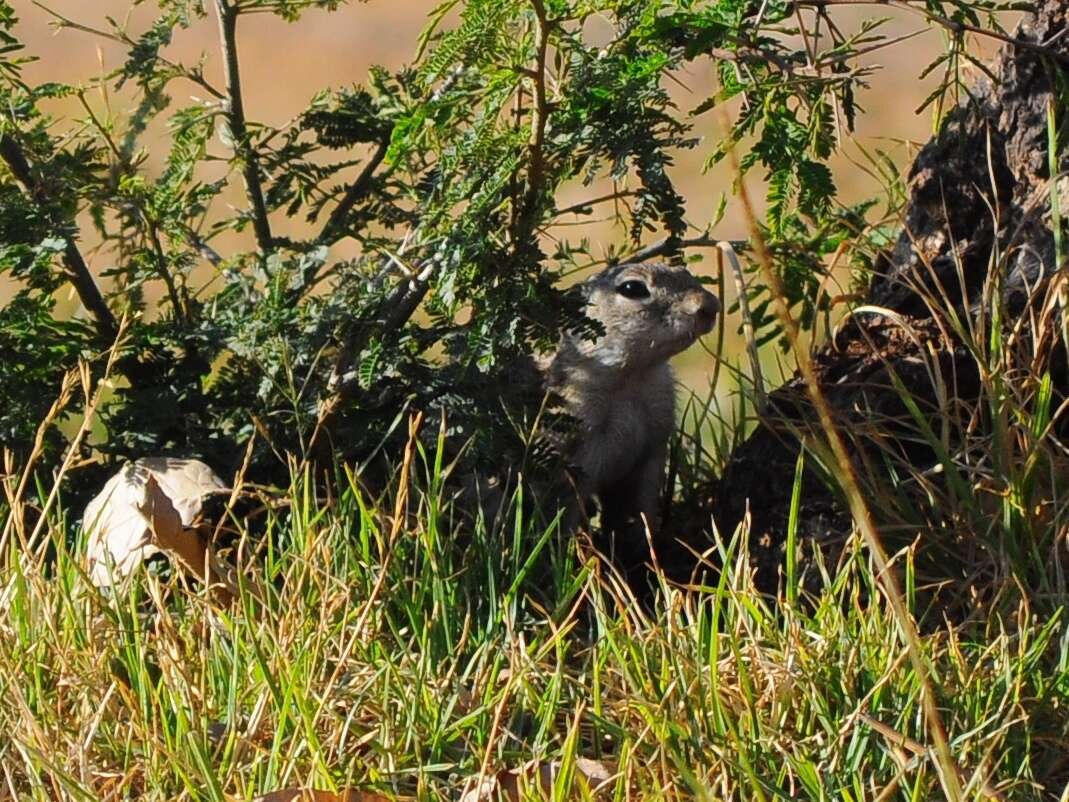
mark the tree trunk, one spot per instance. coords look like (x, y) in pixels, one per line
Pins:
(979, 202)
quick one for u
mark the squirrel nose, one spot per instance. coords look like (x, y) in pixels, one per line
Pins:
(704, 306)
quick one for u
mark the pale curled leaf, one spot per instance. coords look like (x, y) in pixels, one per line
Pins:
(145, 508)
(186, 482)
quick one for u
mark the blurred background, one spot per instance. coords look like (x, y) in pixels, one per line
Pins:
(284, 64)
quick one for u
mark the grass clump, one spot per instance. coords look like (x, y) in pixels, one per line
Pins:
(370, 648)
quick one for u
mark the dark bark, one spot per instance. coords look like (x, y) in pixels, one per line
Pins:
(991, 154)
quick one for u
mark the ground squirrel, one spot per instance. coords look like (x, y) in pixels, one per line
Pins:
(621, 390)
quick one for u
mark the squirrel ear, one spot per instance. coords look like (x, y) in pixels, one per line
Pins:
(583, 291)
(605, 278)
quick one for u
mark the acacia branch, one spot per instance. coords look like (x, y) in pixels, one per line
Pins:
(181, 309)
(670, 246)
(195, 74)
(586, 207)
(539, 113)
(917, 6)
(959, 28)
(74, 263)
(206, 251)
(392, 314)
(753, 55)
(250, 168)
(359, 188)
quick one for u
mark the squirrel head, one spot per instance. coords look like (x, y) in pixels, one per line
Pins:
(650, 312)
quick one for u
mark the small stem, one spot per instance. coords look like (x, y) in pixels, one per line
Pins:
(203, 248)
(150, 224)
(748, 328)
(194, 75)
(962, 27)
(536, 167)
(577, 208)
(181, 313)
(752, 55)
(810, 46)
(228, 25)
(332, 229)
(863, 51)
(76, 268)
(394, 312)
(953, 26)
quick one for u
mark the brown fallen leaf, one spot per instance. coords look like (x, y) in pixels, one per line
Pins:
(310, 795)
(509, 785)
(147, 507)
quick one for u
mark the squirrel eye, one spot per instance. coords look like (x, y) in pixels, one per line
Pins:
(633, 289)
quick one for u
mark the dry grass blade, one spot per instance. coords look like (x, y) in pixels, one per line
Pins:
(761, 397)
(948, 769)
(310, 795)
(93, 398)
(919, 750)
(538, 778)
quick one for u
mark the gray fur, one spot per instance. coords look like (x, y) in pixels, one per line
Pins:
(620, 386)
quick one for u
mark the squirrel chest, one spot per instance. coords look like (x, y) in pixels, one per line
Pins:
(619, 387)
(623, 423)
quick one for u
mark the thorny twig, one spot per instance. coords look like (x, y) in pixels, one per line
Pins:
(228, 20)
(76, 268)
(194, 75)
(963, 27)
(584, 207)
(357, 190)
(213, 257)
(539, 114)
(953, 26)
(670, 246)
